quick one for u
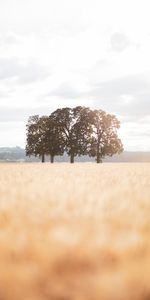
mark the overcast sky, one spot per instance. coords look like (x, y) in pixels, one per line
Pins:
(56, 53)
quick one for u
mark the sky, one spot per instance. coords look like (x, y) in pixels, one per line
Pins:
(58, 53)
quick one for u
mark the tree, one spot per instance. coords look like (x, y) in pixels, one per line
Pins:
(53, 139)
(78, 131)
(36, 133)
(43, 138)
(74, 129)
(104, 140)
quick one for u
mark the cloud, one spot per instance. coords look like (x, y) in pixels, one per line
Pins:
(32, 72)
(21, 114)
(119, 41)
(99, 65)
(128, 96)
(66, 91)
(22, 72)
(67, 28)
(86, 45)
(135, 135)
(5, 94)
(12, 134)
(9, 39)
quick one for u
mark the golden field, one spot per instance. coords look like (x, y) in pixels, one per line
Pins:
(75, 232)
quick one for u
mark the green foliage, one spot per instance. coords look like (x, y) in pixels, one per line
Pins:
(43, 137)
(77, 131)
(104, 139)
(36, 132)
(74, 128)
(53, 139)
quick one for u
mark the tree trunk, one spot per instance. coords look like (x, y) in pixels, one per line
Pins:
(52, 159)
(72, 158)
(98, 158)
(43, 158)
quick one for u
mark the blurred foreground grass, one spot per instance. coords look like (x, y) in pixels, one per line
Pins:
(75, 232)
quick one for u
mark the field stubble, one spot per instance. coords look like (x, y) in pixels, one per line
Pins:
(74, 232)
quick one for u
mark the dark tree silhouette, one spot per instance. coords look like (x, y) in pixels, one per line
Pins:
(75, 129)
(36, 134)
(43, 138)
(104, 139)
(53, 139)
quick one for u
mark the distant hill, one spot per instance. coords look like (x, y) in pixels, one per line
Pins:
(12, 154)
(128, 156)
(8, 154)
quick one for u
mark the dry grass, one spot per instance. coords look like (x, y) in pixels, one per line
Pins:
(74, 232)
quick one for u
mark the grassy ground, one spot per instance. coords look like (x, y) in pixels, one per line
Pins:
(75, 232)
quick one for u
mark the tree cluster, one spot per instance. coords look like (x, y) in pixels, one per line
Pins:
(76, 131)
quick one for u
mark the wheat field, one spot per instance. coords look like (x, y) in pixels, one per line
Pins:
(74, 232)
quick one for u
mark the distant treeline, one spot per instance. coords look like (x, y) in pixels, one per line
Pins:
(75, 131)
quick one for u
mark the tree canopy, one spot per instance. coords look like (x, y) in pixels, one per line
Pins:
(76, 131)
(72, 123)
(104, 139)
